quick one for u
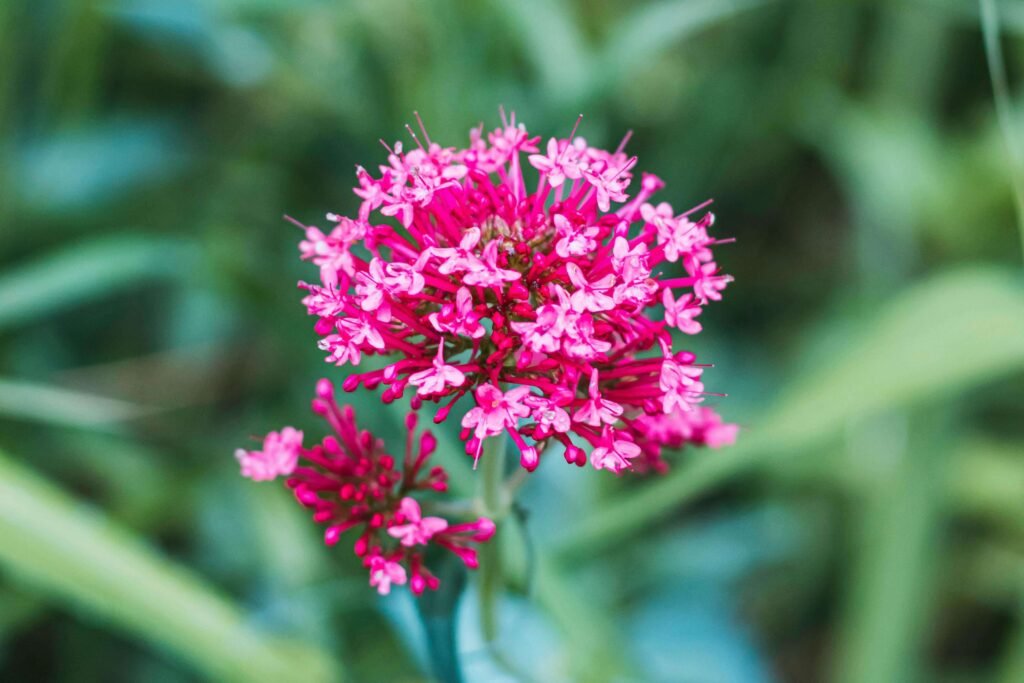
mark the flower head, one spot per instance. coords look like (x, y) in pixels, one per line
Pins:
(525, 293)
(279, 456)
(351, 483)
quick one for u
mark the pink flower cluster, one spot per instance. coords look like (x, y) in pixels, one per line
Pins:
(549, 296)
(350, 482)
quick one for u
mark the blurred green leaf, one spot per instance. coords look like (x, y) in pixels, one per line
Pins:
(437, 611)
(953, 332)
(76, 557)
(79, 169)
(1004, 104)
(895, 563)
(17, 608)
(63, 407)
(552, 41)
(649, 29)
(63, 279)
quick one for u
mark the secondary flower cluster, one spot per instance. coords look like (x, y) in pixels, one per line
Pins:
(350, 482)
(552, 302)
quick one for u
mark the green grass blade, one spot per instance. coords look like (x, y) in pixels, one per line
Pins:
(64, 279)
(1004, 107)
(655, 27)
(895, 561)
(64, 407)
(551, 38)
(75, 557)
(949, 334)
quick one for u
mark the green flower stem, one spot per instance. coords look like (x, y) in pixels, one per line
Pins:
(493, 503)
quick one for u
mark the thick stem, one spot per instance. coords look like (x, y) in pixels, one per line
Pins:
(493, 501)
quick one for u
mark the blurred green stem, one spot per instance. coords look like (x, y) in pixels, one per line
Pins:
(494, 504)
(1004, 107)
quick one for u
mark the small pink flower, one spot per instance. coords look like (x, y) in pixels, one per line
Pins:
(708, 284)
(573, 240)
(458, 319)
(361, 331)
(613, 454)
(279, 456)
(681, 313)
(610, 185)
(437, 378)
(548, 415)
(401, 278)
(417, 529)
(544, 334)
(681, 386)
(340, 350)
(596, 410)
(371, 191)
(630, 262)
(590, 296)
(384, 573)
(720, 434)
(487, 273)
(371, 286)
(495, 411)
(349, 482)
(461, 258)
(560, 163)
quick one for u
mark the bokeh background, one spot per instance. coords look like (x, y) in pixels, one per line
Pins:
(869, 525)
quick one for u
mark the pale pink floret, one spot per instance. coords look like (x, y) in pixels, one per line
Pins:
(457, 259)
(460, 318)
(597, 410)
(681, 313)
(438, 377)
(681, 385)
(613, 453)
(590, 296)
(720, 434)
(279, 456)
(487, 272)
(610, 184)
(708, 284)
(416, 529)
(549, 415)
(495, 411)
(385, 573)
(573, 240)
(561, 162)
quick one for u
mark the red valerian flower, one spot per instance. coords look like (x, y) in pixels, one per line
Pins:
(350, 482)
(537, 296)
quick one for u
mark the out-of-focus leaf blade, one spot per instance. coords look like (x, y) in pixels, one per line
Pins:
(552, 40)
(652, 28)
(63, 407)
(73, 556)
(82, 168)
(953, 332)
(895, 564)
(63, 279)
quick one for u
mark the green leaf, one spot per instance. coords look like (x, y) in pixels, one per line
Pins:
(64, 407)
(438, 610)
(550, 37)
(76, 170)
(74, 556)
(896, 555)
(952, 333)
(653, 28)
(63, 279)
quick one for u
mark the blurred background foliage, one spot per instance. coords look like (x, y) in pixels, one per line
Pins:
(869, 526)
